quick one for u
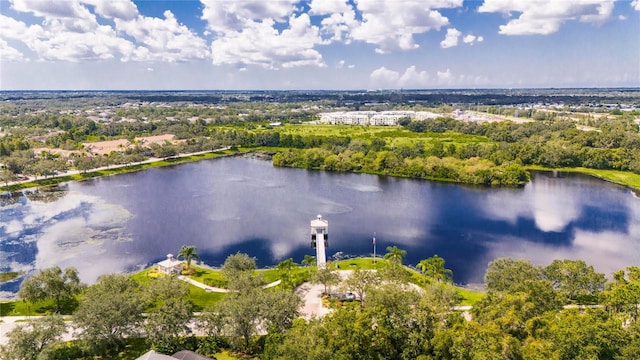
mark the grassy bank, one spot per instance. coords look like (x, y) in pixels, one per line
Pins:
(8, 276)
(115, 170)
(624, 178)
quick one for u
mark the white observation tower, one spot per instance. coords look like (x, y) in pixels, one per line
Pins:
(320, 240)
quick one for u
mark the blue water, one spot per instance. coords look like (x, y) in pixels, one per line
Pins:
(125, 222)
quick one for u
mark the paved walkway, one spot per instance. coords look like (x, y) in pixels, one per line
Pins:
(217, 289)
(109, 167)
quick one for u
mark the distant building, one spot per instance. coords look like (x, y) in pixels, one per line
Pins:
(384, 118)
(170, 266)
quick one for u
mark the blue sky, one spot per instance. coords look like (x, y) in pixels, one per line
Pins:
(318, 44)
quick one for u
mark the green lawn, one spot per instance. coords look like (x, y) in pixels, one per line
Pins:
(391, 134)
(469, 297)
(624, 178)
(23, 308)
(6, 276)
(363, 263)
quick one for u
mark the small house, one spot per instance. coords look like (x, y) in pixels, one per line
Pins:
(170, 266)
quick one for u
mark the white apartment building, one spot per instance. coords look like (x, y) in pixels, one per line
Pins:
(388, 118)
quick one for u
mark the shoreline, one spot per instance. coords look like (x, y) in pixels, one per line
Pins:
(76, 175)
(627, 179)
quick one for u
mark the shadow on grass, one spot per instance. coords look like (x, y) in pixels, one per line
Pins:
(6, 308)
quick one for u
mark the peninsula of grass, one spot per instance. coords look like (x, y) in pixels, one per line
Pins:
(117, 169)
(624, 178)
(8, 276)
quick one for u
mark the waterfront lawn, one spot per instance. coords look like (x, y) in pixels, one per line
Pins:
(625, 178)
(24, 308)
(469, 297)
(200, 298)
(7, 276)
(116, 170)
(209, 277)
(363, 263)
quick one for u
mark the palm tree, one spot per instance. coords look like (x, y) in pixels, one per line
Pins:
(434, 267)
(395, 254)
(188, 252)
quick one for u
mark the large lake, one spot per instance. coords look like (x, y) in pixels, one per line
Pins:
(125, 222)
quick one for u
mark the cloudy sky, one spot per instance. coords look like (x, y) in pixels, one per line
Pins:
(318, 44)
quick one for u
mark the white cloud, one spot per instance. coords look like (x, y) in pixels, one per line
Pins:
(390, 25)
(163, 39)
(384, 78)
(472, 39)
(340, 64)
(326, 7)
(445, 77)
(119, 9)
(450, 39)
(232, 16)
(261, 44)
(62, 40)
(71, 32)
(51, 9)
(8, 53)
(636, 5)
(545, 17)
(411, 78)
(339, 25)
(246, 34)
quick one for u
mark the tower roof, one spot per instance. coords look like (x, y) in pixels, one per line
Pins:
(319, 222)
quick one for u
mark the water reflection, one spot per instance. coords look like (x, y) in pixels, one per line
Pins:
(227, 205)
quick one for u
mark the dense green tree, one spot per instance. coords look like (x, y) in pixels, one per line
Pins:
(360, 281)
(52, 283)
(239, 316)
(511, 311)
(442, 297)
(279, 309)
(29, 341)
(309, 260)
(306, 340)
(326, 277)
(508, 274)
(471, 340)
(109, 311)
(169, 320)
(589, 335)
(238, 269)
(7, 176)
(574, 278)
(623, 294)
(238, 262)
(285, 267)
